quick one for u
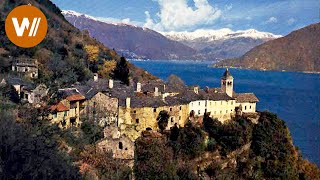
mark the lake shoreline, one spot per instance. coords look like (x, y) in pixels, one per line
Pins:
(267, 70)
(212, 65)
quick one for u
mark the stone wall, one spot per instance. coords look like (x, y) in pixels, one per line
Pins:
(132, 121)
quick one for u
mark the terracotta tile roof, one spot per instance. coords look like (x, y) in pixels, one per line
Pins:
(60, 107)
(75, 97)
(246, 97)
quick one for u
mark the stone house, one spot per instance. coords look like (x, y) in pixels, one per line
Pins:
(66, 111)
(27, 66)
(26, 92)
(121, 146)
(100, 107)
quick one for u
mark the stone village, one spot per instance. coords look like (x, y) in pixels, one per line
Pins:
(126, 112)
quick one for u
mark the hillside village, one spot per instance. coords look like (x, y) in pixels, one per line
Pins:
(125, 112)
(72, 108)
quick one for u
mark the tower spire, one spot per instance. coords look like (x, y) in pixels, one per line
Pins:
(227, 83)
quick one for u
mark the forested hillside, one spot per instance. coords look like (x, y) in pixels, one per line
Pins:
(66, 55)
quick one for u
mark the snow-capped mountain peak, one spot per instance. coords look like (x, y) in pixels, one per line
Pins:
(220, 34)
(76, 14)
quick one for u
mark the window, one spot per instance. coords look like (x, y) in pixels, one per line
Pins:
(245, 107)
(231, 110)
(231, 102)
(26, 96)
(63, 123)
(226, 111)
(120, 145)
(55, 115)
(172, 119)
(180, 108)
(73, 121)
(134, 111)
(199, 103)
(170, 109)
(250, 107)
(137, 121)
(154, 109)
(199, 112)
(65, 113)
(179, 117)
(221, 102)
(210, 103)
(220, 112)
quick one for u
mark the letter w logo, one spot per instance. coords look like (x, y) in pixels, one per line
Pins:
(26, 25)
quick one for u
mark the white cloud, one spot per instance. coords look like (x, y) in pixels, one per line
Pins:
(271, 20)
(177, 15)
(291, 21)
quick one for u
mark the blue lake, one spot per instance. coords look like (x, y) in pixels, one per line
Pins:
(294, 97)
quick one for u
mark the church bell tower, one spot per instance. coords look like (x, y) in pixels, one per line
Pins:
(227, 83)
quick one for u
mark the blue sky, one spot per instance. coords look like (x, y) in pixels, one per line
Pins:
(276, 16)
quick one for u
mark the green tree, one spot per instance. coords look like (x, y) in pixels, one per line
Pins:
(25, 156)
(153, 159)
(121, 72)
(272, 142)
(191, 141)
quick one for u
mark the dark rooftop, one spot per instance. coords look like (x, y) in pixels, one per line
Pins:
(246, 97)
(226, 74)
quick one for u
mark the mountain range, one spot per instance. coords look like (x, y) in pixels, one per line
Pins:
(223, 43)
(298, 51)
(131, 41)
(144, 43)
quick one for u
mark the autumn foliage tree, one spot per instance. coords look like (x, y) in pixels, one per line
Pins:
(92, 56)
(92, 52)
